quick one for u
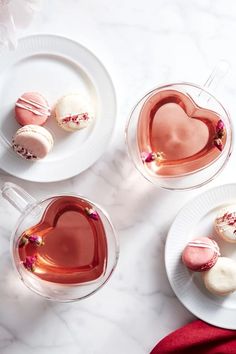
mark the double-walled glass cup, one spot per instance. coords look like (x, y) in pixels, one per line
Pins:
(31, 214)
(200, 176)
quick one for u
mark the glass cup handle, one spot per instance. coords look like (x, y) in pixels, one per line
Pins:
(17, 196)
(216, 76)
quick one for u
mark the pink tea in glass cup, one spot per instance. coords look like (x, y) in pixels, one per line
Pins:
(175, 136)
(68, 245)
(64, 248)
(179, 136)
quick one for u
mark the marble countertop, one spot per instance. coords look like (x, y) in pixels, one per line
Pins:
(142, 44)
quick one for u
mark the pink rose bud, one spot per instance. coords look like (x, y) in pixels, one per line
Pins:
(219, 126)
(147, 156)
(92, 213)
(36, 239)
(29, 263)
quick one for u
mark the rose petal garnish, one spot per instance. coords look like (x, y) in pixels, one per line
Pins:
(220, 134)
(152, 156)
(147, 157)
(23, 241)
(220, 126)
(75, 118)
(36, 239)
(218, 144)
(92, 213)
(29, 263)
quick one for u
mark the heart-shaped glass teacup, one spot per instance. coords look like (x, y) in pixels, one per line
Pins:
(64, 247)
(179, 136)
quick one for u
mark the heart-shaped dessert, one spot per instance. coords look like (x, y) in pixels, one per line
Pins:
(68, 245)
(175, 136)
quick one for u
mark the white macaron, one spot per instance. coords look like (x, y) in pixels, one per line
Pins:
(73, 112)
(221, 278)
(225, 223)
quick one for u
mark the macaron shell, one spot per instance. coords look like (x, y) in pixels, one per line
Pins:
(223, 229)
(221, 279)
(209, 264)
(32, 142)
(200, 259)
(32, 108)
(72, 105)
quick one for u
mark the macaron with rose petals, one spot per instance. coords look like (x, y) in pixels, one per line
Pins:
(32, 108)
(225, 223)
(32, 142)
(73, 112)
(200, 254)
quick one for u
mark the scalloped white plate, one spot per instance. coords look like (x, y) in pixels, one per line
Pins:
(54, 66)
(194, 220)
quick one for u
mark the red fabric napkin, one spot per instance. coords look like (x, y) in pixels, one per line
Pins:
(198, 337)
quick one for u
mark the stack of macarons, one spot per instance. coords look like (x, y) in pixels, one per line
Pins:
(72, 112)
(203, 255)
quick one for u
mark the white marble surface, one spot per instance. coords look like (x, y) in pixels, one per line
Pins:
(143, 44)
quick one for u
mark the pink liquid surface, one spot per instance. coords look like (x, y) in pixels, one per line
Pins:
(171, 123)
(75, 247)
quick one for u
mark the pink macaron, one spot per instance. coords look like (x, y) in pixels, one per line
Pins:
(200, 254)
(32, 108)
(32, 142)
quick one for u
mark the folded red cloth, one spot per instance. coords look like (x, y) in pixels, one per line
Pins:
(198, 337)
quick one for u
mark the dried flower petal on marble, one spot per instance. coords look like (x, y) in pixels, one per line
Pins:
(36, 239)
(92, 213)
(29, 263)
(218, 144)
(23, 241)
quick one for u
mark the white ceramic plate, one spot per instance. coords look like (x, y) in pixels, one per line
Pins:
(54, 66)
(195, 220)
